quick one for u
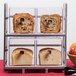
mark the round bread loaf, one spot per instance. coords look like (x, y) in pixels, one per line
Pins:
(49, 56)
(50, 23)
(23, 23)
(22, 56)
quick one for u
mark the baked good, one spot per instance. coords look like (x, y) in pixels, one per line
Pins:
(50, 23)
(22, 56)
(23, 23)
(49, 56)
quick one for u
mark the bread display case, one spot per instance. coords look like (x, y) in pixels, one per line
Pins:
(35, 38)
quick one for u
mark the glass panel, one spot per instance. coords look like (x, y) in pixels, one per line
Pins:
(49, 42)
(20, 42)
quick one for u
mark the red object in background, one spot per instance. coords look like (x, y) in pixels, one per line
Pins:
(73, 50)
(2, 73)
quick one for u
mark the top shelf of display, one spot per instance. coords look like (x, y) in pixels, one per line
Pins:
(43, 21)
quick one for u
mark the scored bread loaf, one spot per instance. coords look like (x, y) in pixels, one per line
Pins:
(49, 56)
(23, 23)
(50, 23)
(22, 56)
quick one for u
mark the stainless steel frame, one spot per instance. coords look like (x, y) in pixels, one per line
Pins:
(8, 35)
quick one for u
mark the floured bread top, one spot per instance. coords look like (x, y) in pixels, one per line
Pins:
(50, 23)
(23, 23)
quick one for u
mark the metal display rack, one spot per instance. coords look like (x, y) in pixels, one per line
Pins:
(10, 37)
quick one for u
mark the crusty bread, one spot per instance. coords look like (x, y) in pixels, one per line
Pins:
(50, 23)
(23, 23)
(22, 56)
(49, 56)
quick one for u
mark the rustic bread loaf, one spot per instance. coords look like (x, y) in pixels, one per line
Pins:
(22, 56)
(50, 23)
(23, 23)
(49, 56)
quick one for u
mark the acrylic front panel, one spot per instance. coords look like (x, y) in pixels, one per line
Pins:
(50, 11)
(50, 42)
(20, 42)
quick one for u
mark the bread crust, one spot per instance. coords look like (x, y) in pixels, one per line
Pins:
(17, 51)
(50, 49)
(46, 49)
(59, 24)
(19, 15)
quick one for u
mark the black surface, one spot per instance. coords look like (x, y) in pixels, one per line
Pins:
(69, 70)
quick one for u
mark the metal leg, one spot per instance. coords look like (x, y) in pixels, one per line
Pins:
(46, 70)
(23, 70)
